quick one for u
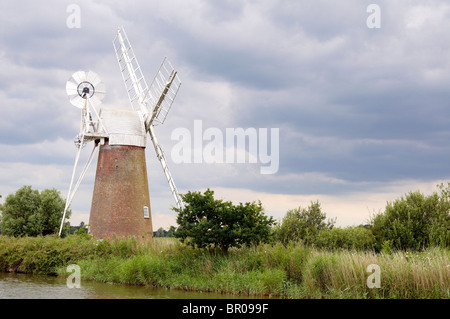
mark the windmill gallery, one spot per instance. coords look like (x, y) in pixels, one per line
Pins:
(121, 202)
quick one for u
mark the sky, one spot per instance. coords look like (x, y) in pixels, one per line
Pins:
(359, 95)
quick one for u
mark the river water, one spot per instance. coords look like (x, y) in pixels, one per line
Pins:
(24, 286)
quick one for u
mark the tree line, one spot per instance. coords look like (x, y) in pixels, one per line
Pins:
(414, 221)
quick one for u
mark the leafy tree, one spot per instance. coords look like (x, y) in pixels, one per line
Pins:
(160, 232)
(30, 213)
(415, 221)
(50, 211)
(81, 231)
(171, 231)
(302, 224)
(440, 227)
(207, 222)
(404, 222)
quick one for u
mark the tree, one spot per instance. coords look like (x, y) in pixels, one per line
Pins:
(440, 227)
(302, 224)
(415, 221)
(50, 211)
(160, 232)
(207, 222)
(73, 229)
(30, 213)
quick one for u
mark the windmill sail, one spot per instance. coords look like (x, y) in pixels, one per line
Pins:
(153, 101)
(162, 91)
(133, 78)
(165, 167)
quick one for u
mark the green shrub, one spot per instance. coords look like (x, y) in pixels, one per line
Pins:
(440, 227)
(206, 222)
(415, 221)
(44, 254)
(302, 224)
(353, 238)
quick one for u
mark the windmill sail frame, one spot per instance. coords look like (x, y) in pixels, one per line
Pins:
(154, 101)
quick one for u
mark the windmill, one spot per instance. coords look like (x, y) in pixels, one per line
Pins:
(120, 202)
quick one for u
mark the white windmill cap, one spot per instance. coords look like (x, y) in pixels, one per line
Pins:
(124, 127)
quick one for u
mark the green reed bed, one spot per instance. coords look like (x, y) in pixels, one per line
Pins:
(292, 271)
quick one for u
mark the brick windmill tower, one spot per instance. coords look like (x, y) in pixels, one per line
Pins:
(120, 202)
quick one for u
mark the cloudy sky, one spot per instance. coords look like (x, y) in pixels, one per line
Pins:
(363, 113)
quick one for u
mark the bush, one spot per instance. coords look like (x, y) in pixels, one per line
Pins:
(440, 227)
(354, 238)
(207, 222)
(45, 254)
(302, 224)
(415, 221)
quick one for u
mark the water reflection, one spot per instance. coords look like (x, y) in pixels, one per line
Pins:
(23, 286)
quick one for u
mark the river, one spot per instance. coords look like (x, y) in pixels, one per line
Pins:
(25, 286)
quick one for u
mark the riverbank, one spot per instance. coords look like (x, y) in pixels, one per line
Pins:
(294, 271)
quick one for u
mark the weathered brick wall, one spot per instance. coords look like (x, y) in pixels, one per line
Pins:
(120, 194)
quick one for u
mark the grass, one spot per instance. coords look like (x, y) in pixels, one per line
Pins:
(274, 270)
